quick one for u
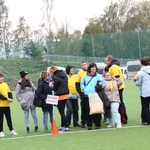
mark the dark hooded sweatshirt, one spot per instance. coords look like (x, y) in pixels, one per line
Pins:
(60, 83)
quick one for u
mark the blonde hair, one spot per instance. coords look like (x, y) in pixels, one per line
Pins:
(43, 75)
(53, 69)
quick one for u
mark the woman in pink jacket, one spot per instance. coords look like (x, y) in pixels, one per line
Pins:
(111, 90)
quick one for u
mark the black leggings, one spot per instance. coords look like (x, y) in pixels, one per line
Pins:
(5, 111)
(61, 108)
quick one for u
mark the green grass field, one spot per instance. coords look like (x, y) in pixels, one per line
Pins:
(132, 136)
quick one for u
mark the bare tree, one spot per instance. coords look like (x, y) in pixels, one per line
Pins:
(48, 18)
(21, 36)
(4, 28)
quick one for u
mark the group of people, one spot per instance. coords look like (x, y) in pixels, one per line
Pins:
(70, 88)
(111, 84)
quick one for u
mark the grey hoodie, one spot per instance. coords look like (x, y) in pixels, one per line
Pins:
(144, 81)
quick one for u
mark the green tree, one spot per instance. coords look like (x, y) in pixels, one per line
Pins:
(111, 30)
(138, 17)
(34, 50)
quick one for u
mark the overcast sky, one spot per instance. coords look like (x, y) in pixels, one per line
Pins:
(76, 11)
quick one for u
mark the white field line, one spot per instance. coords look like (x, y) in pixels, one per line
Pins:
(83, 131)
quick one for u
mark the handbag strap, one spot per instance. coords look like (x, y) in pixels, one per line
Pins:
(89, 82)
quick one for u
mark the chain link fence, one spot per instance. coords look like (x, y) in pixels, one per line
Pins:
(63, 58)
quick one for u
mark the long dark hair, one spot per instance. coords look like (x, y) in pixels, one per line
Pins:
(25, 83)
(91, 65)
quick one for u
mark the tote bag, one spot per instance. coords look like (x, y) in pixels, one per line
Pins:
(96, 104)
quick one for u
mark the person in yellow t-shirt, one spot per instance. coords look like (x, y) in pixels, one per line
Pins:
(72, 102)
(80, 75)
(5, 99)
(114, 68)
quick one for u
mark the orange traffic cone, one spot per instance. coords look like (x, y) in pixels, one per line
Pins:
(54, 127)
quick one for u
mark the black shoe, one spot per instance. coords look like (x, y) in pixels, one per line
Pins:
(36, 129)
(82, 126)
(28, 130)
(77, 125)
(89, 128)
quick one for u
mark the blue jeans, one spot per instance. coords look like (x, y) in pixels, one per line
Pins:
(34, 116)
(45, 118)
(72, 108)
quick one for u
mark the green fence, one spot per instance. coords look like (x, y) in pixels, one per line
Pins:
(63, 58)
(124, 45)
(127, 45)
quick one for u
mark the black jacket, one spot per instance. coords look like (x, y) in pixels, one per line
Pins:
(114, 62)
(106, 103)
(42, 91)
(60, 83)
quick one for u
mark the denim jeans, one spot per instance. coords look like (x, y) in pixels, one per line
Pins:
(34, 116)
(72, 108)
(45, 118)
(115, 116)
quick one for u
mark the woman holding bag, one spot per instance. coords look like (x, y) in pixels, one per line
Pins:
(88, 83)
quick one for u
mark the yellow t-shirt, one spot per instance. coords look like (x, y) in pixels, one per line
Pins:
(4, 90)
(115, 70)
(72, 79)
(80, 75)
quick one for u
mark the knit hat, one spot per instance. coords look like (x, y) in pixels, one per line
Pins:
(23, 73)
(68, 69)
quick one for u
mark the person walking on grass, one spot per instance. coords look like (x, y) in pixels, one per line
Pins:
(43, 90)
(60, 88)
(111, 90)
(5, 98)
(80, 75)
(25, 91)
(72, 102)
(88, 84)
(142, 79)
(114, 69)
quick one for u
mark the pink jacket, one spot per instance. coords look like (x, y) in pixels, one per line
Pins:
(113, 95)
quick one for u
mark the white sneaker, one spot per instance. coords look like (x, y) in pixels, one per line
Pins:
(109, 126)
(119, 126)
(2, 134)
(13, 132)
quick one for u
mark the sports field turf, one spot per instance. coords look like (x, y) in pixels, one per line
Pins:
(132, 136)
